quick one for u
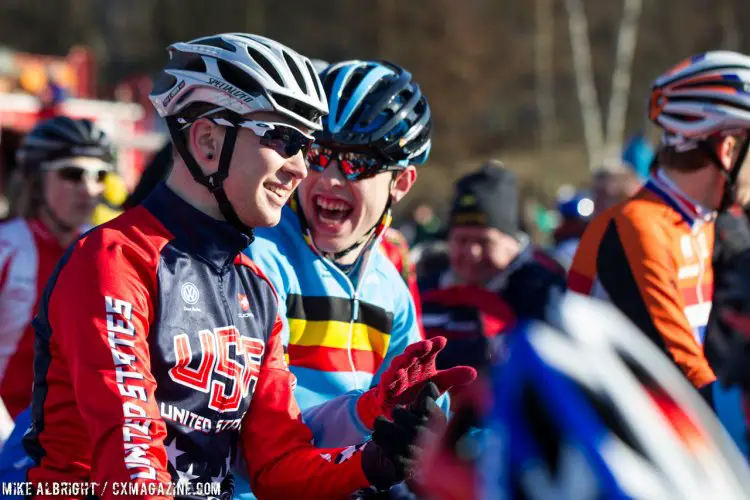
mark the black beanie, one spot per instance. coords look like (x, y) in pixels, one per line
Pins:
(487, 197)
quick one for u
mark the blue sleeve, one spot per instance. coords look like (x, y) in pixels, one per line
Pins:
(270, 258)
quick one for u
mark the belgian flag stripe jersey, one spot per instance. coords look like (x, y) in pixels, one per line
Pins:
(321, 333)
(329, 308)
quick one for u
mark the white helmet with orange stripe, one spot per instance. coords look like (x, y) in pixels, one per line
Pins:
(705, 96)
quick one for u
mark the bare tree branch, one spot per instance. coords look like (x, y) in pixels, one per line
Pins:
(621, 77)
(590, 109)
(544, 69)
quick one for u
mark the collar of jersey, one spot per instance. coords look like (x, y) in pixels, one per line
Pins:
(690, 210)
(214, 241)
(364, 258)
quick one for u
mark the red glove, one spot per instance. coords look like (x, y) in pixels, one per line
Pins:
(406, 376)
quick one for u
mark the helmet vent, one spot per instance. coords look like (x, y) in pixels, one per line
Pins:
(264, 63)
(313, 76)
(239, 78)
(295, 71)
(218, 42)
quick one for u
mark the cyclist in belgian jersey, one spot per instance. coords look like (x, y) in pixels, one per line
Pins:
(347, 312)
(652, 255)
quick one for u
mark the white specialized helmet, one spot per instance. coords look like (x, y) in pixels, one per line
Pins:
(704, 95)
(242, 73)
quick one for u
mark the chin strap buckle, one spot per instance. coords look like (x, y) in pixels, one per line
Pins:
(214, 182)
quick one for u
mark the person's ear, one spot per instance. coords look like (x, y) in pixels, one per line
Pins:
(727, 150)
(205, 139)
(403, 182)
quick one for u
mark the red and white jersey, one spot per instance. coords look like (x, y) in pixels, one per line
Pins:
(29, 253)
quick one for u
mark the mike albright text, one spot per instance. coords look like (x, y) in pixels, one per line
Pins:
(83, 489)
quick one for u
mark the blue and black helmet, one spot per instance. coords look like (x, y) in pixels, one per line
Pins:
(376, 106)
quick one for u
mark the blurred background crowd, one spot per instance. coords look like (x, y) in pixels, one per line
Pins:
(555, 89)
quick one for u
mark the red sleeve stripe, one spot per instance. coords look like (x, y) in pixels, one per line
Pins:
(244, 260)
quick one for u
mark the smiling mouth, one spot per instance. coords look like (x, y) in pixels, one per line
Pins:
(332, 211)
(278, 190)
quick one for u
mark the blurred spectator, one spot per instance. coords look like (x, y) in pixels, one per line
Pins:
(115, 193)
(484, 235)
(50, 99)
(575, 213)
(467, 302)
(612, 184)
(62, 164)
(638, 155)
(424, 225)
(432, 259)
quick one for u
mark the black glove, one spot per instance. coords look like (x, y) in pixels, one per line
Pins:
(530, 289)
(727, 346)
(390, 457)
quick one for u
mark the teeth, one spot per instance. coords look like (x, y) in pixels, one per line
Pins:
(277, 190)
(332, 205)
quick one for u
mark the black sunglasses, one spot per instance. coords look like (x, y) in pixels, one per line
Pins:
(285, 139)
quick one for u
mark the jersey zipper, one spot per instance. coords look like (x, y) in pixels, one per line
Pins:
(355, 313)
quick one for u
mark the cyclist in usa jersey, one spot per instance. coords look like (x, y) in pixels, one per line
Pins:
(159, 357)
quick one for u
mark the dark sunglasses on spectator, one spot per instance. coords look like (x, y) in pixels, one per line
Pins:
(76, 174)
(352, 165)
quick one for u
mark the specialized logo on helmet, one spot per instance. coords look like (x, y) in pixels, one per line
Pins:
(231, 90)
(173, 93)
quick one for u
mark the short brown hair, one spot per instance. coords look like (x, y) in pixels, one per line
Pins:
(683, 161)
(196, 110)
(693, 159)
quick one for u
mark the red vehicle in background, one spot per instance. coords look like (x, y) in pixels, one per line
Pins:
(36, 87)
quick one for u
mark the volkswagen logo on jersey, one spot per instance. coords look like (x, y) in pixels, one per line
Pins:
(189, 293)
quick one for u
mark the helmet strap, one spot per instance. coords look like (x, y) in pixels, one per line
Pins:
(213, 182)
